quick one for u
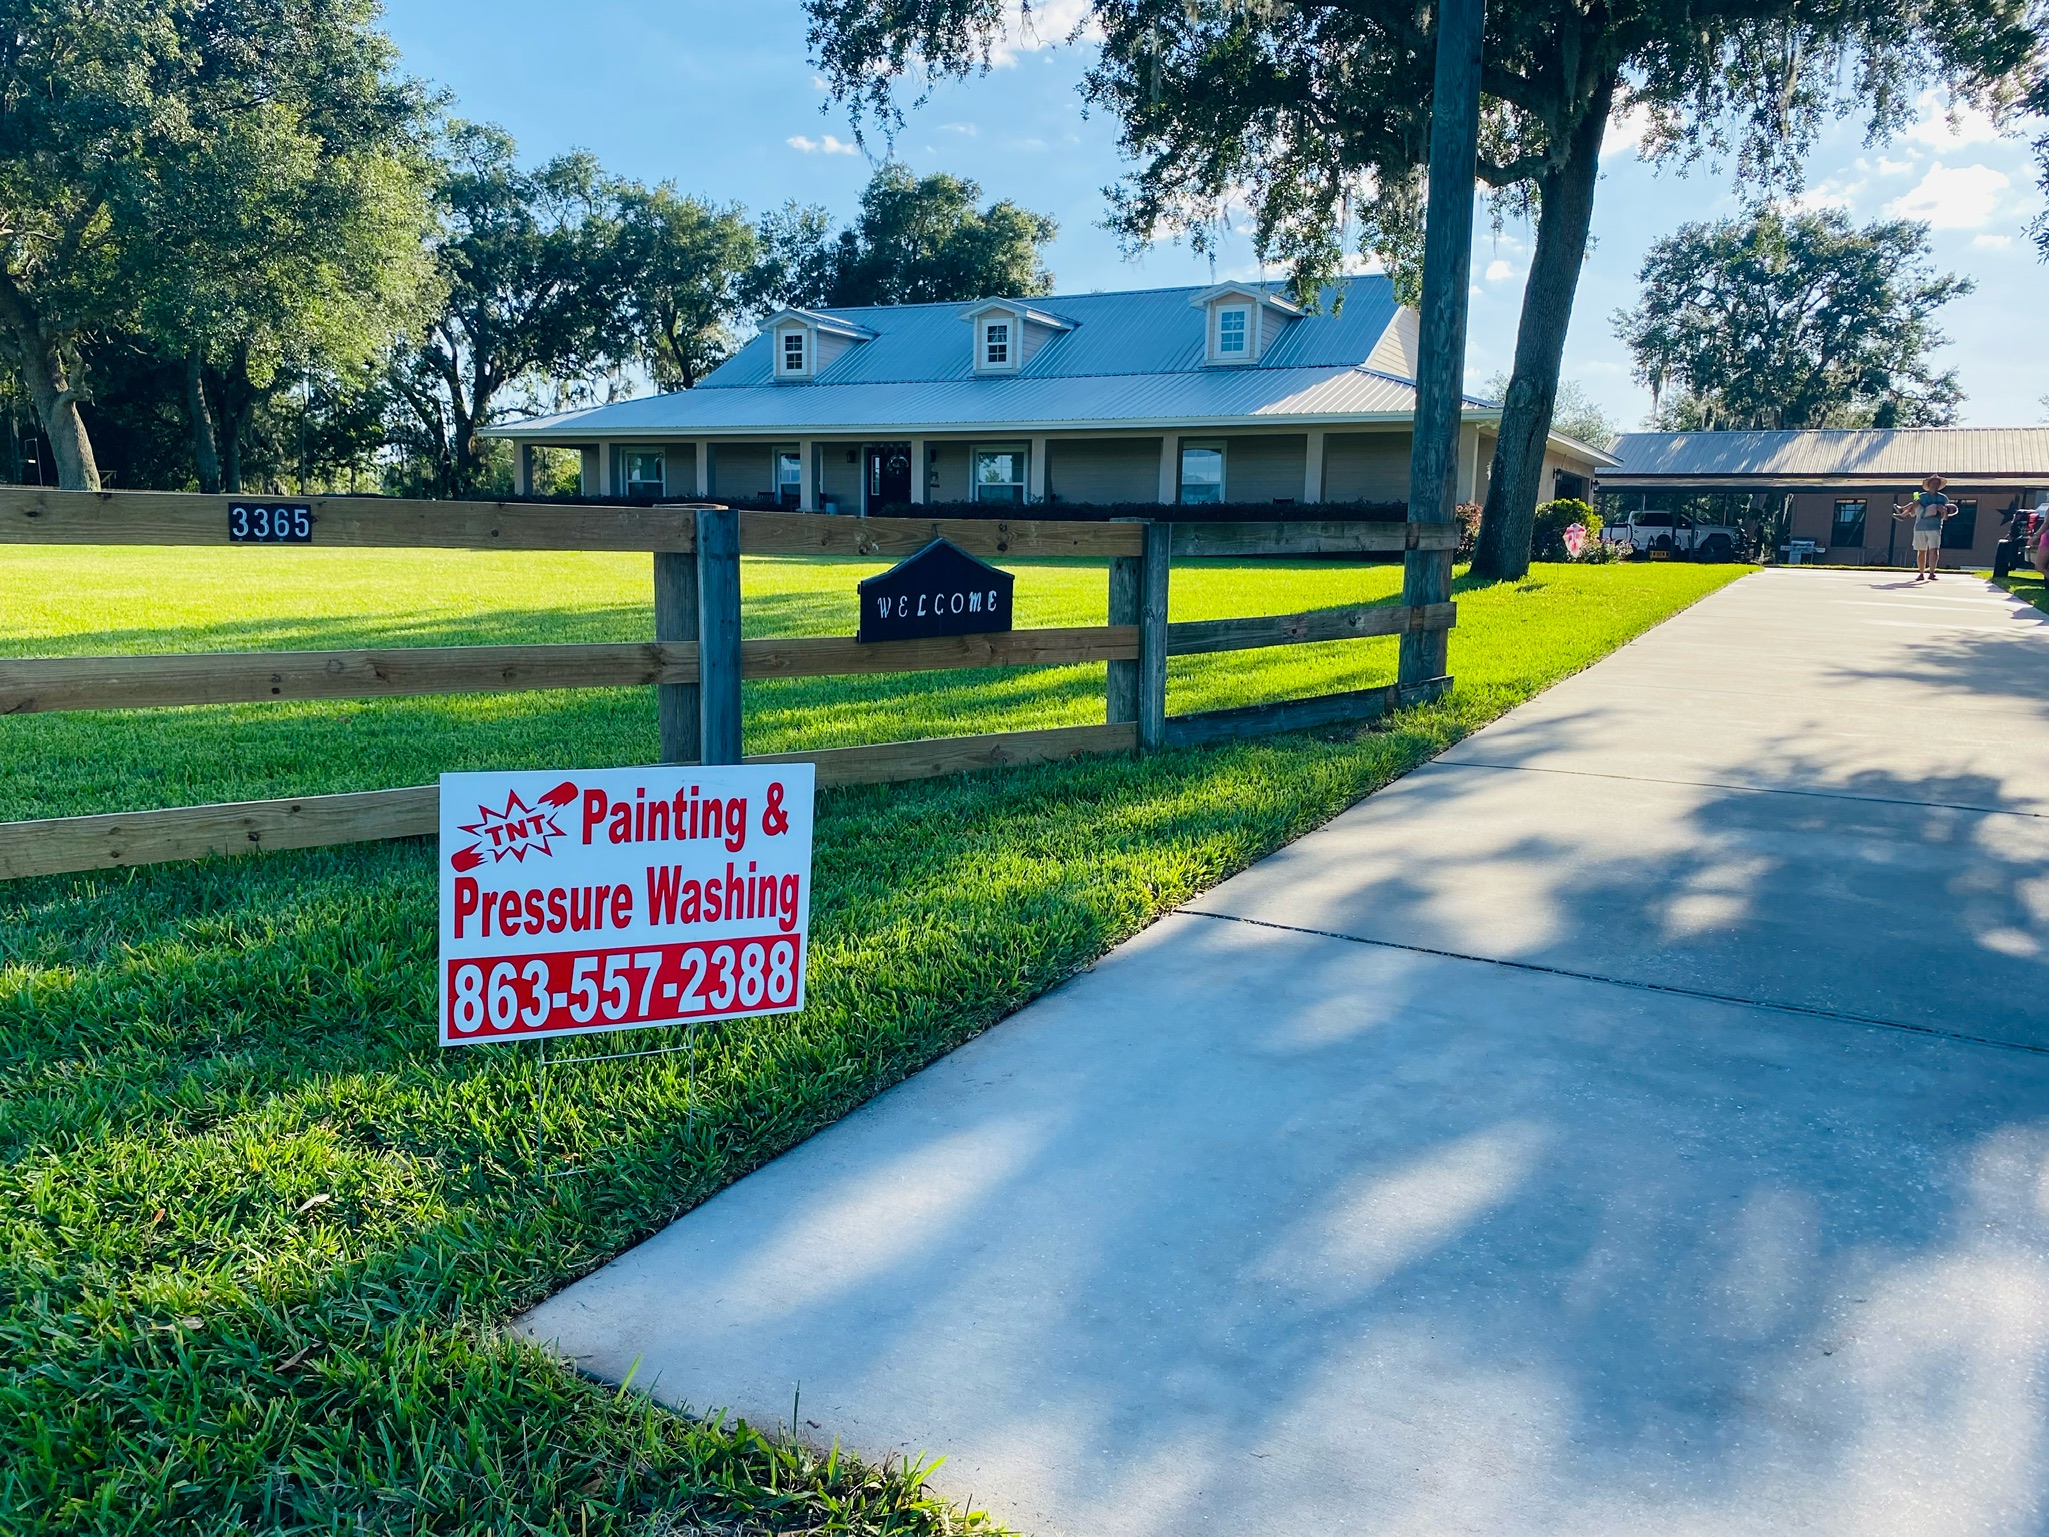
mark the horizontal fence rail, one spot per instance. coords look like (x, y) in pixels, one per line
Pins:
(29, 515)
(698, 658)
(33, 685)
(112, 840)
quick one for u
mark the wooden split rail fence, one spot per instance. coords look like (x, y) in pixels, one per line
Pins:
(697, 658)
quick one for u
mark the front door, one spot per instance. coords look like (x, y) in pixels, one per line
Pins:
(888, 478)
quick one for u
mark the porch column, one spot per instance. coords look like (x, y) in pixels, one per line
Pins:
(1035, 472)
(1469, 462)
(523, 470)
(1312, 467)
(1170, 468)
(920, 472)
(702, 449)
(807, 471)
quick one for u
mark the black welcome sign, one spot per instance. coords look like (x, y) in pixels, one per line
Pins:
(941, 590)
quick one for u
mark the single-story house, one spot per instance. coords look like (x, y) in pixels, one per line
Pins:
(1228, 393)
(1837, 489)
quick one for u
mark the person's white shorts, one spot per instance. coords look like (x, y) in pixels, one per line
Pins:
(1930, 539)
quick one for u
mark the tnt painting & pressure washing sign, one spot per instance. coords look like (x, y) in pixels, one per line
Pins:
(613, 899)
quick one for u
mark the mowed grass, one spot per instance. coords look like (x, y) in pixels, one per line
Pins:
(257, 1234)
(2026, 582)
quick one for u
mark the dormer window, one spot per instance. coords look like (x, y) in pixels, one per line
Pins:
(1242, 321)
(793, 353)
(1008, 333)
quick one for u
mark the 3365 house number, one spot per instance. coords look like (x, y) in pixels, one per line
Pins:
(270, 523)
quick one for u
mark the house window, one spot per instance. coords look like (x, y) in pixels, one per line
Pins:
(1231, 333)
(793, 352)
(1961, 531)
(999, 474)
(642, 472)
(996, 344)
(1202, 474)
(1847, 532)
(789, 477)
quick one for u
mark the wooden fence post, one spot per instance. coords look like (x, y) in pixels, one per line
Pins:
(1127, 587)
(1440, 375)
(676, 704)
(718, 634)
(1152, 637)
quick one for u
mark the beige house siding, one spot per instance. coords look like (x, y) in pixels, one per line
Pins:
(1265, 468)
(1366, 467)
(679, 469)
(949, 475)
(838, 479)
(1103, 470)
(742, 470)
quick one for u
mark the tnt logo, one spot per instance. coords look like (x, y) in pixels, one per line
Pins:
(515, 832)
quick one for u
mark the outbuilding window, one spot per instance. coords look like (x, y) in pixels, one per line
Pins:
(1000, 474)
(1847, 531)
(1961, 531)
(1202, 473)
(793, 352)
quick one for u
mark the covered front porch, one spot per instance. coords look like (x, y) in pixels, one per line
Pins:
(859, 476)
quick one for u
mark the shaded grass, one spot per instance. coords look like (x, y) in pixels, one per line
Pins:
(256, 1231)
(2026, 582)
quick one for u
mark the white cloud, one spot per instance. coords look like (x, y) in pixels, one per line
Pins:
(1936, 128)
(1626, 131)
(1888, 167)
(1959, 197)
(966, 130)
(1051, 22)
(828, 145)
(818, 83)
(1992, 242)
(1499, 270)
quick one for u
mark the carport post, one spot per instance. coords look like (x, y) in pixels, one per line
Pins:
(1447, 272)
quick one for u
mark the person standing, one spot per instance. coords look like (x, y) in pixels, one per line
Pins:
(1930, 509)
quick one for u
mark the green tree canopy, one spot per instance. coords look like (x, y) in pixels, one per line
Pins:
(684, 268)
(917, 239)
(117, 116)
(1791, 321)
(530, 262)
(1315, 116)
(1578, 415)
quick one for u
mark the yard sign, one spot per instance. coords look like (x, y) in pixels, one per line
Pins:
(613, 899)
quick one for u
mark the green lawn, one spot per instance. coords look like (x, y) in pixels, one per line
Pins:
(256, 1232)
(2026, 582)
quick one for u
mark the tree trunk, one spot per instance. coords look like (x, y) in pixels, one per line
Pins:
(206, 450)
(1565, 214)
(47, 377)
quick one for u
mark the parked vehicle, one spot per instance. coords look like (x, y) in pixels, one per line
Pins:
(2013, 549)
(1673, 533)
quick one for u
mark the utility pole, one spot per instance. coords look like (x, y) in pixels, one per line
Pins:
(1447, 276)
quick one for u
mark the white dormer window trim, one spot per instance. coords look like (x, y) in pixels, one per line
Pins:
(1234, 333)
(999, 345)
(794, 352)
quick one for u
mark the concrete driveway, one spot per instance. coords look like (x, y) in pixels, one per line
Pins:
(1636, 1121)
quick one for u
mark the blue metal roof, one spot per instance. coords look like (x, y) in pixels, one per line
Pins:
(1134, 359)
(1149, 331)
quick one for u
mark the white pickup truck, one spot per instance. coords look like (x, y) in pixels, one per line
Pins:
(1674, 533)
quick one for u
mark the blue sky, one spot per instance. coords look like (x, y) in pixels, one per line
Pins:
(721, 98)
